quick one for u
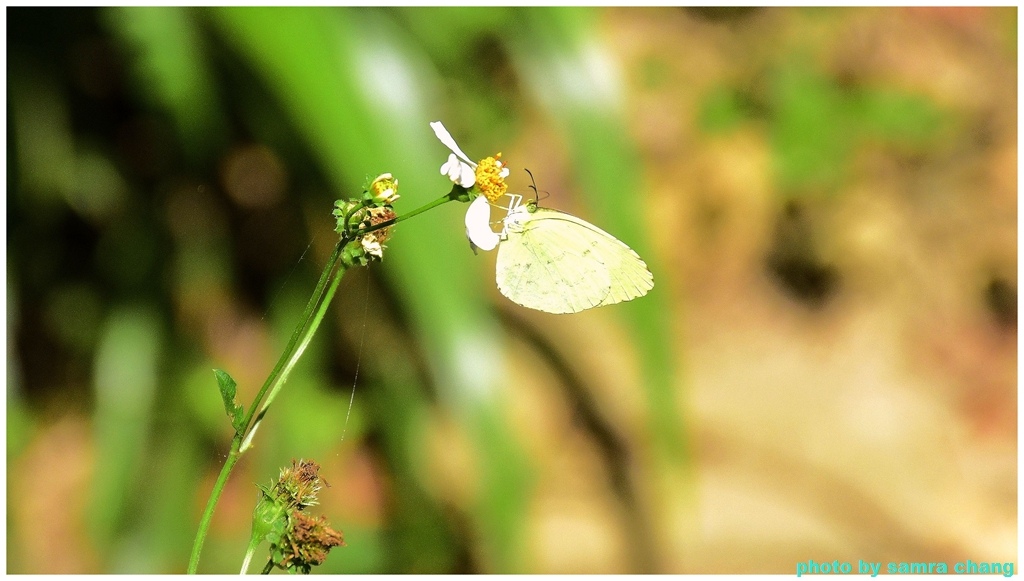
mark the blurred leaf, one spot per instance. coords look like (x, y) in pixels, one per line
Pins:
(509, 484)
(125, 382)
(908, 120)
(364, 554)
(175, 486)
(464, 26)
(20, 427)
(722, 110)
(816, 125)
(478, 74)
(100, 191)
(811, 129)
(418, 535)
(20, 421)
(227, 393)
(155, 539)
(171, 70)
(41, 125)
(128, 255)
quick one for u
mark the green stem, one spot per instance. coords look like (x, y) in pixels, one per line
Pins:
(286, 370)
(267, 568)
(240, 437)
(457, 194)
(254, 543)
(218, 488)
(303, 321)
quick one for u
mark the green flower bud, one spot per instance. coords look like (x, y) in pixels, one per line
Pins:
(269, 516)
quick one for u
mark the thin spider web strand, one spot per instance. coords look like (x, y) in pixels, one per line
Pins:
(280, 289)
(359, 356)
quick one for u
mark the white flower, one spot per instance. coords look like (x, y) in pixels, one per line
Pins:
(486, 177)
(459, 168)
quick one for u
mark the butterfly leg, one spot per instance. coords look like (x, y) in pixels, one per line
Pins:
(514, 201)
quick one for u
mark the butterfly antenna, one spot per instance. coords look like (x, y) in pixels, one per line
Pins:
(533, 186)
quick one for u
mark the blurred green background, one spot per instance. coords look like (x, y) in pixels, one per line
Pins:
(825, 369)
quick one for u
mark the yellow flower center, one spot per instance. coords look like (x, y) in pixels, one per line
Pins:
(489, 180)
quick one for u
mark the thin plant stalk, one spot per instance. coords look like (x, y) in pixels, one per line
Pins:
(449, 197)
(218, 487)
(248, 556)
(304, 320)
(298, 351)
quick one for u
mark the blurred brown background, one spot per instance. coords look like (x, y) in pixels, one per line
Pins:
(826, 368)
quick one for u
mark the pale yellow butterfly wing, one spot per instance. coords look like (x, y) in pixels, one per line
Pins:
(558, 263)
(629, 276)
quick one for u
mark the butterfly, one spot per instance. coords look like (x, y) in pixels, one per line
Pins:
(557, 263)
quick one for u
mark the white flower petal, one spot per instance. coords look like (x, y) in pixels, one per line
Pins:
(449, 142)
(459, 172)
(478, 225)
(468, 177)
(451, 168)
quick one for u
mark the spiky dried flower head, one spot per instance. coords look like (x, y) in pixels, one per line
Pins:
(306, 543)
(299, 484)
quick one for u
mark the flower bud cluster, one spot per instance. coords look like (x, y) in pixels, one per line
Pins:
(298, 541)
(354, 216)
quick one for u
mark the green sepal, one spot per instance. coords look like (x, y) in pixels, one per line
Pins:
(347, 213)
(461, 194)
(269, 518)
(353, 255)
(227, 392)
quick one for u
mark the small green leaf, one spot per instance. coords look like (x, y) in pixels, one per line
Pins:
(227, 392)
